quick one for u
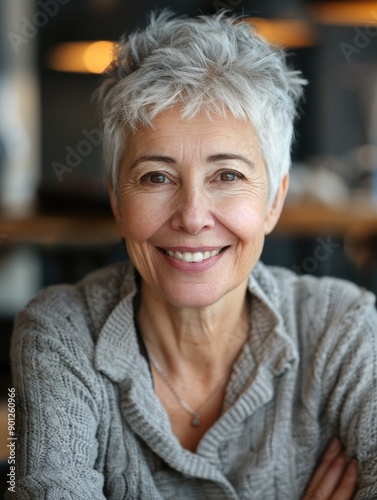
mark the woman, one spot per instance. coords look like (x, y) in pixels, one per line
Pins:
(200, 372)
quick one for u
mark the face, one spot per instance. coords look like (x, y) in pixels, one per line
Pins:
(193, 206)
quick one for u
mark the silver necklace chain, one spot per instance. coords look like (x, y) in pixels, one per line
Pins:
(196, 414)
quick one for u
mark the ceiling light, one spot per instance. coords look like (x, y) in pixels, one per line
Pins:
(346, 13)
(81, 57)
(288, 33)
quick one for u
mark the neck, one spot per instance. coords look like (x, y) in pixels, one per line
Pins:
(195, 342)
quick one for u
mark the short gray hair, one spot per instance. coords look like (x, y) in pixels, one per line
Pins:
(212, 63)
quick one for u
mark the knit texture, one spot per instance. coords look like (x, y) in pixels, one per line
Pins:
(89, 425)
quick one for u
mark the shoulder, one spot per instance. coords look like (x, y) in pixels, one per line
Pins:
(320, 303)
(76, 309)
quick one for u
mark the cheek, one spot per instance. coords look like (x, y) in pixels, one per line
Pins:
(142, 216)
(249, 229)
(245, 220)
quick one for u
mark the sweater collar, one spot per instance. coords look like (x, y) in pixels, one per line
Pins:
(117, 349)
(269, 352)
(270, 343)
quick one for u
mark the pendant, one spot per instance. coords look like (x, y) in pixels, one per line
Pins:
(196, 420)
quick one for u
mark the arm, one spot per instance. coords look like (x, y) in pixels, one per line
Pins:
(334, 479)
(346, 372)
(57, 411)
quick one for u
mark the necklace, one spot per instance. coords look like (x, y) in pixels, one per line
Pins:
(196, 414)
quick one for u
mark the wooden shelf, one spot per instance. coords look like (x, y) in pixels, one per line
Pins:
(355, 220)
(59, 230)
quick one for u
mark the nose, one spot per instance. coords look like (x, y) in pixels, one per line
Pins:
(193, 210)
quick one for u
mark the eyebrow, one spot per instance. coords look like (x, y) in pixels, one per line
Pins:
(231, 156)
(211, 159)
(144, 158)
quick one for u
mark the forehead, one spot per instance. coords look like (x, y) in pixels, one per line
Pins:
(170, 129)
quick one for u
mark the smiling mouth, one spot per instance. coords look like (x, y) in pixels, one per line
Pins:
(194, 256)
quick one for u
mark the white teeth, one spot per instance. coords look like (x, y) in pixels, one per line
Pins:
(188, 257)
(193, 257)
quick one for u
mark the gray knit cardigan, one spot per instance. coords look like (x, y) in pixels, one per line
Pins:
(89, 425)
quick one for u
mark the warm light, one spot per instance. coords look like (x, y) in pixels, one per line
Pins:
(94, 57)
(81, 57)
(288, 33)
(346, 13)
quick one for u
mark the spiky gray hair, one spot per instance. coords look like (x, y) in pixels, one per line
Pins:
(210, 63)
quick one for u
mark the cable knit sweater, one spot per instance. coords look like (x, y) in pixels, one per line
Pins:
(89, 425)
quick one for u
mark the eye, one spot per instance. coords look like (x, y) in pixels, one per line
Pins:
(229, 176)
(155, 178)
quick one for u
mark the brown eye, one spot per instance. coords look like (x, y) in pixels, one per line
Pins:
(156, 178)
(229, 176)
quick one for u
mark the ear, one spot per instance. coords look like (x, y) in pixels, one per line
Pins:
(274, 210)
(114, 206)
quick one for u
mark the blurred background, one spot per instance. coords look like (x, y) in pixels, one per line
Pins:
(55, 221)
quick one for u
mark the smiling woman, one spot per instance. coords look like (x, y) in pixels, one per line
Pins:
(202, 184)
(205, 374)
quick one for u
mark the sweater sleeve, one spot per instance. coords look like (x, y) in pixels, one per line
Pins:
(57, 411)
(346, 371)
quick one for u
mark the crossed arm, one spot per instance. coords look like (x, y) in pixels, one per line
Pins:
(334, 479)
